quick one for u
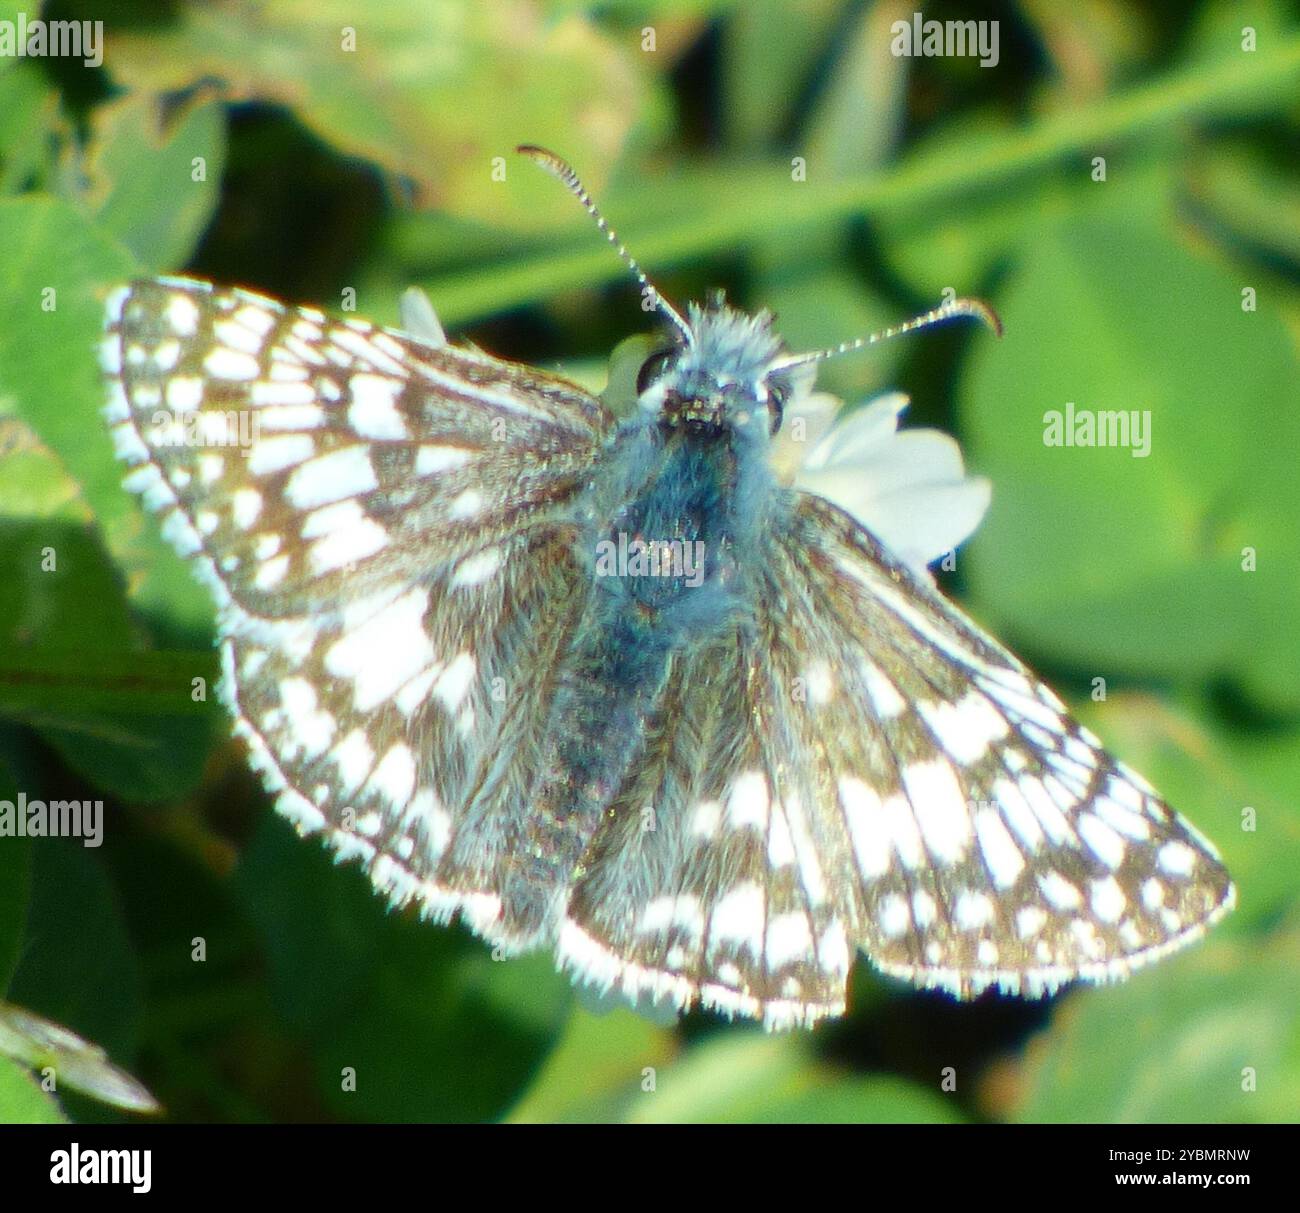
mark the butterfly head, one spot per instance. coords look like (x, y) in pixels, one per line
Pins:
(726, 372)
(721, 374)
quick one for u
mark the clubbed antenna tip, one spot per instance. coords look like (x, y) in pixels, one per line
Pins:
(561, 169)
(977, 309)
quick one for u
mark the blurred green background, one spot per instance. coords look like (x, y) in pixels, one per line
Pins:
(779, 150)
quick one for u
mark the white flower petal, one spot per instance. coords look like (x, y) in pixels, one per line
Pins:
(912, 457)
(805, 423)
(909, 489)
(921, 524)
(861, 433)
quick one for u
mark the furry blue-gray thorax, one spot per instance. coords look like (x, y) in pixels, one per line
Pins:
(727, 377)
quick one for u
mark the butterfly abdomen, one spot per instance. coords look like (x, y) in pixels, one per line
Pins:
(607, 690)
(664, 583)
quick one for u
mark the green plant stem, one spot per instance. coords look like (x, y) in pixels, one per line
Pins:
(764, 203)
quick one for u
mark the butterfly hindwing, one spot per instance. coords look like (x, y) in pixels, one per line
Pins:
(711, 881)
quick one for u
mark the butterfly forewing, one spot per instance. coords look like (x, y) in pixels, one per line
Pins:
(381, 520)
(995, 841)
(313, 459)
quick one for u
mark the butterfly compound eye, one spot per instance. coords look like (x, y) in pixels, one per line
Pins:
(777, 395)
(652, 369)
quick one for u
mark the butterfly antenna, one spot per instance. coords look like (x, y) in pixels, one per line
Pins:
(557, 167)
(975, 308)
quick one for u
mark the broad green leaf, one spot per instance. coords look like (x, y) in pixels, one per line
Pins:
(62, 590)
(29, 117)
(22, 1102)
(34, 484)
(151, 175)
(597, 1067)
(1111, 316)
(62, 594)
(1266, 766)
(56, 273)
(873, 1100)
(145, 758)
(747, 1076)
(433, 91)
(958, 246)
(1210, 1036)
(44, 685)
(66, 634)
(384, 996)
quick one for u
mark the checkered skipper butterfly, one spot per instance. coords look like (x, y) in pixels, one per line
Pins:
(536, 666)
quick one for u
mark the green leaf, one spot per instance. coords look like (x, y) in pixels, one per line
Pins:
(382, 996)
(1110, 315)
(54, 277)
(66, 634)
(22, 1102)
(29, 118)
(63, 598)
(126, 720)
(749, 1077)
(959, 246)
(413, 85)
(62, 589)
(596, 1068)
(76, 1064)
(1181, 1044)
(152, 759)
(877, 1099)
(46, 685)
(152, 175)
